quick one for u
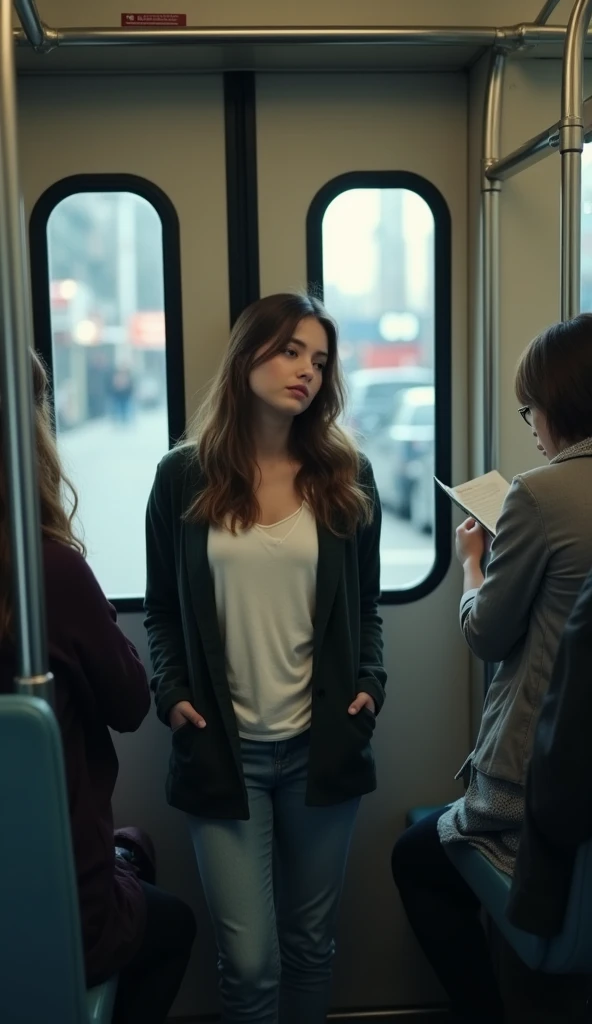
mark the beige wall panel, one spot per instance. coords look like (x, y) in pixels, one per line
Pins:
(170, 131)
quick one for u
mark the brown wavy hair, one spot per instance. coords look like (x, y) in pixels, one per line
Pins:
(57, 495)
(330, 463)
(555, 376)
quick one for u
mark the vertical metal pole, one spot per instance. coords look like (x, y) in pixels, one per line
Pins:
(571, 188)
(490, 227)
(491, 318)
(571, 145)
(490, 206)
(16, 394)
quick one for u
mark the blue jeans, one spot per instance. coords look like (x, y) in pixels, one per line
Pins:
(273, 885)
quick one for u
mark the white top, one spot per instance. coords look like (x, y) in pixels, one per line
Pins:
(265, 585)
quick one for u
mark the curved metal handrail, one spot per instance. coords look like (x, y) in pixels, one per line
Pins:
(546, 12)
(32, 25)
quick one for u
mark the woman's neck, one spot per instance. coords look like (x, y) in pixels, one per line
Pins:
(271, 435)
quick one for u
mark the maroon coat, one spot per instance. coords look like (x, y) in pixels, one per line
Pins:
(99, 683)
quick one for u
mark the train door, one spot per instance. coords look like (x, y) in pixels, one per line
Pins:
(117, 171)
(359, 178)
(361, 182)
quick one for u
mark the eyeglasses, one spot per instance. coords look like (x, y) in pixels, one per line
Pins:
(526, 414)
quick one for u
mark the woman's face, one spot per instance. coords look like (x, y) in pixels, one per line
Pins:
(540, 430)
(290, 381)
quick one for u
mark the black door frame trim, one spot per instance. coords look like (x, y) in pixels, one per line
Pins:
(173, 309)
(241, 190)
(442, 340)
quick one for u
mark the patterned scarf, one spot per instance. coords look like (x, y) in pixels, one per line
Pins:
(576, 451)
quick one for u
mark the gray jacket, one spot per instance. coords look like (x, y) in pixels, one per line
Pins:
(539, 560)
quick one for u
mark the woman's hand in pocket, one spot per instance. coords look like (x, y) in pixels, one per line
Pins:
(184, 712)
(363, 700)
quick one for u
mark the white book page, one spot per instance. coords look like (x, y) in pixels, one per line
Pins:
(484, 498)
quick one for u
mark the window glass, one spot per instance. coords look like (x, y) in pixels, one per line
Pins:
(378, 277)
(424, 416)
(109, 371)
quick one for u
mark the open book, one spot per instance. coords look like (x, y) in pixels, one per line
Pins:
(481, 498)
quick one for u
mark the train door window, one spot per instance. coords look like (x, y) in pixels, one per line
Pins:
(378, 269)
(108, 355)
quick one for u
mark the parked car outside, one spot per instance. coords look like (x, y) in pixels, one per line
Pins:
(372, 394)
(402, 456)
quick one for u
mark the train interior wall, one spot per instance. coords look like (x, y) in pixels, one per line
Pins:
(428, 123)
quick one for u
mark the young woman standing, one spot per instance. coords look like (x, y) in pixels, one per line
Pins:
(263, 541)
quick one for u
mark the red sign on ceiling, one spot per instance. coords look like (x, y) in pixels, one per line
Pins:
(153, 20)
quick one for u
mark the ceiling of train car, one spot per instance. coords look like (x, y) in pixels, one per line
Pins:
(107, 13)
(199, 56)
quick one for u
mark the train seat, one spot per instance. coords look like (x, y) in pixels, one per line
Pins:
(570, 952)
(41, 963)
(416, 814)
(100, 1000)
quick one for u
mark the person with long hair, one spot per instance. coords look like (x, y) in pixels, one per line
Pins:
(514, 617)
(129, 928)
(263, 534)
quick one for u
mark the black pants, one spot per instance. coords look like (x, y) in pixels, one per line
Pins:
(446, 918)
(149, 984)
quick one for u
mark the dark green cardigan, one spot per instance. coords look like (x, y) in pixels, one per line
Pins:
(205, 772)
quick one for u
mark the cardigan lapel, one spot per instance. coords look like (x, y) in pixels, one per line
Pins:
(201, 587)
(330, 564)
(203, 599)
